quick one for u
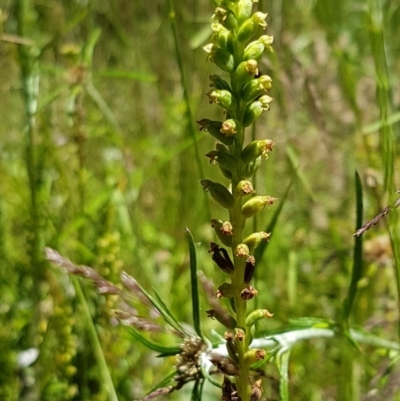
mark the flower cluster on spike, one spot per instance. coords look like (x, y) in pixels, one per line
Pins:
(242, 92)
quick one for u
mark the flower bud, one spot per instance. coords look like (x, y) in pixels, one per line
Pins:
(257, 315)
(255, 149)
(254, 355)
(249, 27)
(255, 109)
(226, 173)
(230, 127)
(218, 83)
(253, 240)
(256, 204)
(221, 258)
(255, 50)
(244, 9)
(246, 71)
(219, 193)
(221, 57)
(249, 269)
(252, 167)
(244, 188)
(214, 129)
(223, 235)
(256, 87)
(225, 17)
(242, 251)
(223, 98)
(225, 290)
(224, 159)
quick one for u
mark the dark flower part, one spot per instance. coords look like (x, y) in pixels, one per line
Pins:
(229, 392)
(256, 391)
(248, 293)
(221, 258)
(224, 364)
(249, 269)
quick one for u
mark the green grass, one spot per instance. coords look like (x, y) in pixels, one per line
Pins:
(99, 159)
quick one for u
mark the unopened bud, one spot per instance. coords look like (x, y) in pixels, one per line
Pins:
(219, 193)
(214, 129)
(224, 159)
(225, 290)
(255, 50)
(244, 10)
(252, 167)
(256, 87)
(246, 71)
(254, 239)
(256, 204)
(255, 109)
(257, 315)
(218, 83)
(221, 57)
(244, 188)
(254, 355)
(220, 229)
(249, 27)
(255, 149)
(223, 98)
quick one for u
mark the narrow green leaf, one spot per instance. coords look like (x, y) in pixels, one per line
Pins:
(166, 312)
(282, 362)
(165, 351)
(357, 254)
(164, 381)
(194, 284)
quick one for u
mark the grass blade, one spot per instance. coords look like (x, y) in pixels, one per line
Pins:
(357, 254)
(194, 284)
(163, 350)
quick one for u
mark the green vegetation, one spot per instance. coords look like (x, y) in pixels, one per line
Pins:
(101, 160)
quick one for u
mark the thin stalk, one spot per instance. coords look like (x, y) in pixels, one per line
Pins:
(30, 84)
(96, 346)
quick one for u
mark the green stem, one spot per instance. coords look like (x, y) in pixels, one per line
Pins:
(94, 339)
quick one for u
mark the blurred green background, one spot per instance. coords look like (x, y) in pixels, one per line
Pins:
(97, 161)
